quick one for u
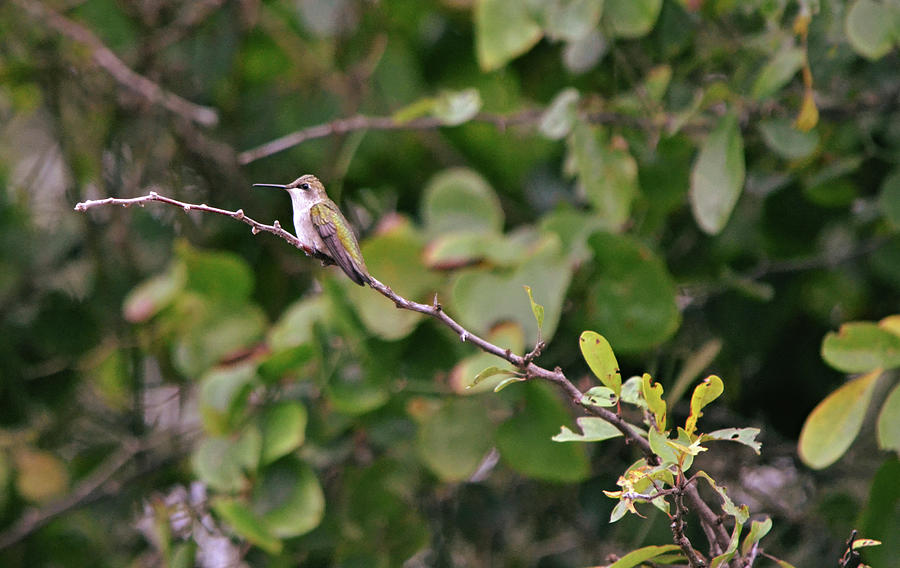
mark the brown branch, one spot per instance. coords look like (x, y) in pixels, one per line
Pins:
(678, 525)
(362, 122)
(715, 532)
(110, 62)
(88, 488)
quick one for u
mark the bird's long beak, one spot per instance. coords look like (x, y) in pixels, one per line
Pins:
(279, 186)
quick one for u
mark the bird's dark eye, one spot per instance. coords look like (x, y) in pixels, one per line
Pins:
(304, 185)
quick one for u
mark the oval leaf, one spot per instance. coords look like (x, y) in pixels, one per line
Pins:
(870, 28)
(504, 30)
(888, 428)
(600, 358)
(704, 393)
(454, 440)
(833, 425)
(717, 176)
(859, 347)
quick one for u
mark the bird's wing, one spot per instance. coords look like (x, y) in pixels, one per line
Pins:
(325, 218)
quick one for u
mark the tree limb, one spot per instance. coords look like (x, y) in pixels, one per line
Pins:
(716, 534)
(110, 62)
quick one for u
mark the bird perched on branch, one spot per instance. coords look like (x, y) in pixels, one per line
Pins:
(321, 227)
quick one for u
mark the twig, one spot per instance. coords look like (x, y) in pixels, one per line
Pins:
(715, 532)
(678, 524)
(362, 122)
(86, 490)
(256, 226)
(110, 62)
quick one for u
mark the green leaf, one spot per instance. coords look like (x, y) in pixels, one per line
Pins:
(223, 396)
(631, 18)
(600, 396)
(507, 335)
(659, 445)
(783, 138)
(631, 295)
(729, 553)
(888, 425)
(490, 372)
(458, 200)
(295, 326)
(607, 174)
(631, 392)
(288, 499)
(600, 358)
(571, 20)
(618, 511)
(834, 423)
(558, 119)
(593, 429)
(778, 71)
(740, 514)
(222, 275)
(870, 28)
(153, 295)
(394, 256)
(215, 332)
(536, 309)
(454, 440)
(717, 176)
(504, 30)
(642, 555)
(859, 347)
(704, 393)
(652, 393)
(456, 107)
(508, 381)
(758, 529)
(246, 524)
(283, 427)
(889, 199)
(746, 436)
(221, 462)
(525, 443)
(483, 298)
(879, 518)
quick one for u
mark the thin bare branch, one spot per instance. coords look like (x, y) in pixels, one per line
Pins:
(715, 532)
(110, 62)
(88, 488)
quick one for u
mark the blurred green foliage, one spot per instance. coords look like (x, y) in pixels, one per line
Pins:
(674, 174)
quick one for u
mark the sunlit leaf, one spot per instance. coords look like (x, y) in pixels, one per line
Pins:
(834, 423)
(600, 396)
(536, 309)
(593, 429)
(600, 358)
(490, 372)
(456, 107)
(859, 347)
(504, 30)
(704, 393)
(717, 176)
(746, 436)
(870, 28)
(758, 529)
(558, 119)
(652, 393)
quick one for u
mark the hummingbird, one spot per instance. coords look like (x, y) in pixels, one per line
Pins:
(321, 227)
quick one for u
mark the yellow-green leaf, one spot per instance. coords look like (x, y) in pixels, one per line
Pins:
(704, 393)
(600, 358)
(833, 425)
(655, 403)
